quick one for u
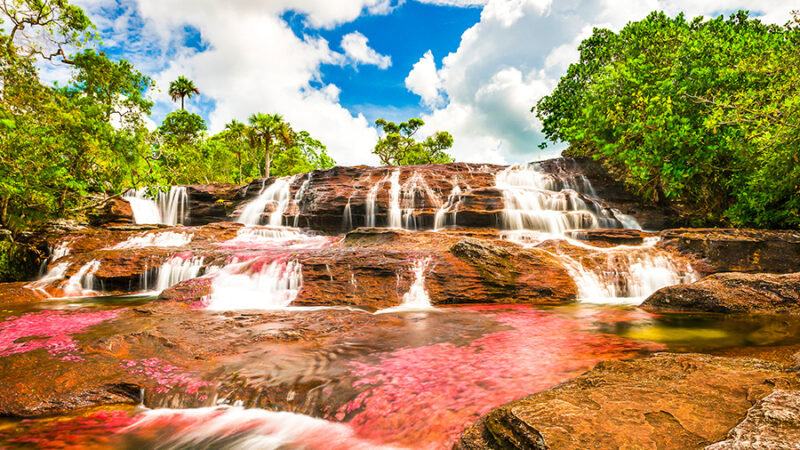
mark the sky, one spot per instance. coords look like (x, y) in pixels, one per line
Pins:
(332, 67)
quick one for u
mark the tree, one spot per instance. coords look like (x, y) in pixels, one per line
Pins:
(398, 147)
(304, 155)
(235, 135)
(182, 88)
(698, 114)
(266, 128)
(182, 127)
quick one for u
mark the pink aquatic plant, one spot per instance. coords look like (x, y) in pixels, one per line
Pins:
(51, 330)
(94, 430)
(451, 386)
(166, 375)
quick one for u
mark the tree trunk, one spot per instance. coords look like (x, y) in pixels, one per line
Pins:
(240, 164)
(182, 108)
(4, 212)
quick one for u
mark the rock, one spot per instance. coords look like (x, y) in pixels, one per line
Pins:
(608, 238)
(115, 211)
(774, 422)
(738, 250)
(662, 401)
(731, 293)
(210, 203)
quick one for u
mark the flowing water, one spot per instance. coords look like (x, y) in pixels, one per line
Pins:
(170, 208)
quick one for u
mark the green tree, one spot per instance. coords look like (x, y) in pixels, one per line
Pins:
(182, 88)
(235, 135)
(182, 127)
(266, 129)
(699, 114)
(399, 147)
(304, 155)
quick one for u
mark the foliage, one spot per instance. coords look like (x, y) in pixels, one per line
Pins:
(182, 88)
(17, 261)
(266, 129)
(398, 147)
(699, 113)
(182, 127)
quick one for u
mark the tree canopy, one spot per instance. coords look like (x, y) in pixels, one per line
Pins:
(398, 147)
(703, 114)
(182, 88)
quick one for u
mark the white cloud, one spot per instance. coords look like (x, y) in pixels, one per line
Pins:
(424, 80)
(357, 50)
(517, 53)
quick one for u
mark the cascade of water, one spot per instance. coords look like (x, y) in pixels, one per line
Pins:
(256, 285)
(82, 282)
(298, 198)
(417, 297)
(347, 217)
(173, 205)
(414, 189)
(61, 250)
(145, 210)
(164, 239)
(448, 208)
(276, 194)
(372, 196)
(177, 269)
(54, 274)
(395, 214)
(535, 200)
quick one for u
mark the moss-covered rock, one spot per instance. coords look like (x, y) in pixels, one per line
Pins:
(18, 262)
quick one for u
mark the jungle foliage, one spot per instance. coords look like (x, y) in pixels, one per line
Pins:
(398, 147)
(63, 149)
(703, 113)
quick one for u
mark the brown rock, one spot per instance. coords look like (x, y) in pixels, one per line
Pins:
(731, 293)
(607, 238)
(116, 211)
(774, 422)
(738, 250)
(663, 401)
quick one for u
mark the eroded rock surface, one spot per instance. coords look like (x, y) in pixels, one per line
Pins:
(774, 422)
(663, 401)
(731, 293)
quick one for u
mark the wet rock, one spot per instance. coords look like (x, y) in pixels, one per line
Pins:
(774, 422)
(738, 250)
(608, 238)
(18, 294)
(115, 211)
(210, 203)
(731, 293)
(663, 401)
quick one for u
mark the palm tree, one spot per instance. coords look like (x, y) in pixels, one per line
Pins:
(236, 132)
(266, 128)
(182, 88)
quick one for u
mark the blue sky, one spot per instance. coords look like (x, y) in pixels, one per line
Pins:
(471, 67)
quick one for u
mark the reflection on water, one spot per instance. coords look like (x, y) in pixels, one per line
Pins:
(414, 379)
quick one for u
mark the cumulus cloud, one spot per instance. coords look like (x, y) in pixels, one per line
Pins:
(357, 50)
(515, 55)
(424, 80)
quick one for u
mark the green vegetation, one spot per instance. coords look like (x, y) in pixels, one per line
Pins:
(399, 148)
(66, 149)
(701, 114)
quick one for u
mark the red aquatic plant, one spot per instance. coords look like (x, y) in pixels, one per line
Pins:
(166, 375)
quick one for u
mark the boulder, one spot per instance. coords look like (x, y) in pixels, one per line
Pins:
(662, 401)
(731, 293)
(738, 250)
(115, 211)
(774, 422)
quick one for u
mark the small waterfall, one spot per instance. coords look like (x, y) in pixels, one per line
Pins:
(256, 285)
(177, 269)
(277, 195)
(173, 205)
(535, 200)
(54, 274)
(372, 196)
(298, 198)
(145, 210)
(417, 298)
(395, 214)
(347, 217)
(61, 250)
(450, 208)
(414, 189)
(164, 239)
(82, 282)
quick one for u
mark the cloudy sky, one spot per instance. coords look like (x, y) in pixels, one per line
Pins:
(472, 67)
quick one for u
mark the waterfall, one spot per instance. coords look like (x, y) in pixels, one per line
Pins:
(177, 269)
(145, 210)
(535, 200)
(61, 250)
(417, 298)
(298, 198)
(54, 273)
(256, 285)
(372, 196)
(164, 239)
(448, 208)
(82, 282)
(395, 214)
(347, 217)
(173, 205)
(277, 195)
